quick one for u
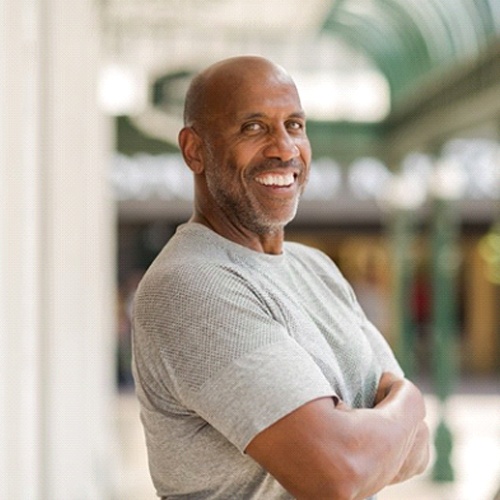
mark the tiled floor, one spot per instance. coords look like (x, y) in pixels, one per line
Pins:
(473, 415)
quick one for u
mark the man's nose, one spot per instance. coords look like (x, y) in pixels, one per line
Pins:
(281, 146)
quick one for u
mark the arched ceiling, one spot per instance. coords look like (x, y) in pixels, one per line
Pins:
(413, 40)
(416, 46)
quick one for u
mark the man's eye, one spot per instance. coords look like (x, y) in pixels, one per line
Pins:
(295, 125)
(251, 127)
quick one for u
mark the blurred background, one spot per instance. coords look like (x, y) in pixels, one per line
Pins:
(403, 101)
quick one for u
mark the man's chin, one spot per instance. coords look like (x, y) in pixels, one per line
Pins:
(272, 226)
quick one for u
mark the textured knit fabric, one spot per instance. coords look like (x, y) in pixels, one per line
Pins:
(226, 342)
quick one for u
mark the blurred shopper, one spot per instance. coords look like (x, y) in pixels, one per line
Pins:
(257, 372)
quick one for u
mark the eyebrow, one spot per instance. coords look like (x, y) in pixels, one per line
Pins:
(252, 116)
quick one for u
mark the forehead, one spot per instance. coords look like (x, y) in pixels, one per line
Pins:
(258, 93)
(280, 98)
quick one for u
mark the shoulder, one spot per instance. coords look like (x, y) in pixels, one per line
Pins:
(195, 282)
(181, 279)
(193, 256)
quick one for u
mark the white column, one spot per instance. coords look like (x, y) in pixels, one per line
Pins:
(56, 255)
(20, 332)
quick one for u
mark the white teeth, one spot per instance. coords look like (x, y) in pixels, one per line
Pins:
(276, 180)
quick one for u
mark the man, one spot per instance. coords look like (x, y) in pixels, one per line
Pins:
(259, 376)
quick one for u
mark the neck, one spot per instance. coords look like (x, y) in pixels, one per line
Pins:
(270, 243)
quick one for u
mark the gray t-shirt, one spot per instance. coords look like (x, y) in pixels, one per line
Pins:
(226, 342)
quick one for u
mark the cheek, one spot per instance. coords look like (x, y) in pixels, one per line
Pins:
(245, 156)
(305, 151)
(240, 163)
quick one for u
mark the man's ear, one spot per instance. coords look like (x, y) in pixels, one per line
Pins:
(191, 148)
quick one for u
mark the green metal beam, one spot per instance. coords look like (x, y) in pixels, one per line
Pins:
(412, 41)
(376, 41)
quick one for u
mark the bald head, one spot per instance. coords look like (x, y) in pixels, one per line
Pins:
(212, 89)
(245, 141)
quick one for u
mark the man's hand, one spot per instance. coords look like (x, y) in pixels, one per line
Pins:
(386, 381)
(417, 456)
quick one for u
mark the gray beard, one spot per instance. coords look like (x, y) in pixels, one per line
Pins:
(257, 222)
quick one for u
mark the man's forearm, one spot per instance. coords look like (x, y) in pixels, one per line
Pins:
(392, 437)
(375, 450)
(418, 457)
(328, 450)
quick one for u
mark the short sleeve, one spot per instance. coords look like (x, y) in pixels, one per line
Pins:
(221, 352)
(258, 389)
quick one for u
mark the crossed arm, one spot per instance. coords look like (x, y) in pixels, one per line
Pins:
(327, 450)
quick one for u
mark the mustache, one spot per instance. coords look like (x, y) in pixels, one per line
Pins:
(276, 164)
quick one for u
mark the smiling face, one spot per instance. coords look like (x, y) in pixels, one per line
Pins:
(253, 147)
